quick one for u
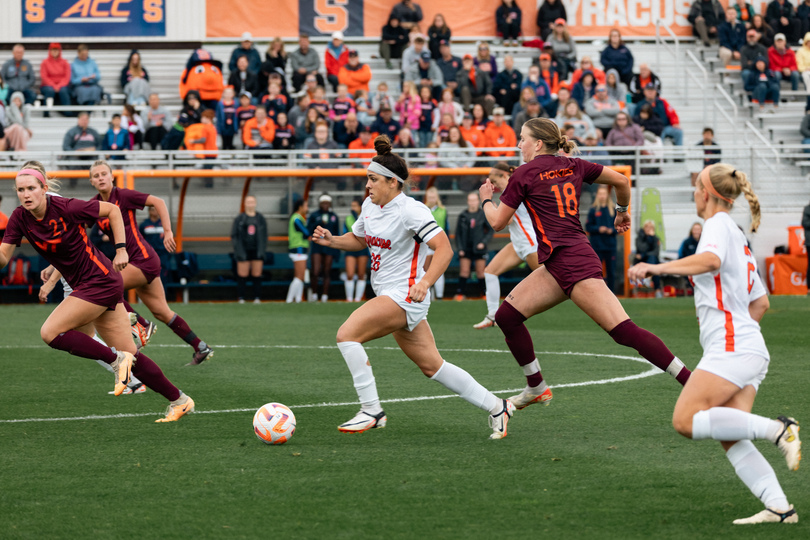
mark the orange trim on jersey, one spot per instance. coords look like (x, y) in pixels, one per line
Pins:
(89, 251)
(522, 228)
(414, 268)
(539, 226)
(136, 233)
(729, 321)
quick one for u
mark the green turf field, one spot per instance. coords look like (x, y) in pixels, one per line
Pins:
(600, 462)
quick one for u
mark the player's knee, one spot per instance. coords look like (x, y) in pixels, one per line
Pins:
(682, 424)
(164, 315)
(507, 316)
(47, 334)
(344, 333)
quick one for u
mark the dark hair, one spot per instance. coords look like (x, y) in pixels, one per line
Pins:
(297, 204)
(358, 200)
(710, 130)
(116, 115)
(389, 160)
(501, 166)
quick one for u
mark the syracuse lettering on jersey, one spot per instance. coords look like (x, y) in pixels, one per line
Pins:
(373, 241)
(559, 173)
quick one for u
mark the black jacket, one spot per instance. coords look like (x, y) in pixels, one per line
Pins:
(239, 233)
(647, 246)
(806, 225)
(251, 83)
(472, 228)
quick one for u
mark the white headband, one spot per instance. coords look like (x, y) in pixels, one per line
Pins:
(384, 171)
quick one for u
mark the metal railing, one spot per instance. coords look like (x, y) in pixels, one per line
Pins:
(702, 83)
(718, 106)
(662, 44)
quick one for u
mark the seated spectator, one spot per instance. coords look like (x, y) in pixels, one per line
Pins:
(690, 244)
(705, 17)
(624, 133)
(409, 106)
(532, 110)
(385, 124)
(259, 132)
(393, 42)
(526, 93)
(307, 131)
(781, 15)
(285, 133)
(82, 138)
(764, 30)
(448, 106)
(565, 49)
(412, 53)
(445, 123)
(335, 57)
(85, 78)
(586, 64)
(18, 74)
(571, 114)
(246, 50)
(480, 118)
(547, 15)
(763, 85)
(18, 123)
(244, 80)
(133, 123)
(343, 104)
(584, 89)
(365, 111)
(364, 142)
(549, 73)
(508, 84)
(485, 61)
(732, 37)
(245, 111)
(648, 248)
(710, 155)
(803, 14)
(803, 60)
(499, 134)
(645, 76)
(474, 85)
(556, 105)
(437, 33)
(355, 75)
(405, 140)
(202, 137)
(538, 85)
(3, 93)
(592, 150)
(427, 106)
(320, 103)
(470, 133)
(305, 62)
(409, 13)
(273, 100)
(275, 61)
(749, 52)
(425, 72)
(782, 61)
(296, 115)
(157, 117)
(615, 87)
(665, 112)
(508, 18)
(135, 80)
(449, 66)
(310, 84)
(603, 109)
(459, 159)
(189, 114)
(319, 142)
(648, 121)
(617, 56)
(382, 97)
(745, 12)
(346, 130)
(54, 73)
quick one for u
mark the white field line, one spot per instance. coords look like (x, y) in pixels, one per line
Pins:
(650, 372)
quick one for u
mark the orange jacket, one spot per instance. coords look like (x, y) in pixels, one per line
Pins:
(355, 79)
(201, 131)
(474, 136)
(501, 137)
(267, 132)
(357, 144)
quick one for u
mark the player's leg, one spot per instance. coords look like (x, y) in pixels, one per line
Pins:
(464, 268)
(242, 271)
(296, 290)
(480, 264)
(538, 292)
(256, 271)
(315, 274)
(142, 329)
(348, 283)
(594, 298)
(327, 277)
(61, 330)
(420, 346)
(154, 296)
(503, 261)
(360, 287)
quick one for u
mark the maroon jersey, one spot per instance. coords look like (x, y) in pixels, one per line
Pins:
(60, 237)
(129, 200)
(550, 187)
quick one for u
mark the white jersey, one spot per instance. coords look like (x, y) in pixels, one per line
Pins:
(722, 297)
(396, 235)
(521, 233)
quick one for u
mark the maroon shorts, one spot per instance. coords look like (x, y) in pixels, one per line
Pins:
(569, 265)
(150, 268)
(108, 293)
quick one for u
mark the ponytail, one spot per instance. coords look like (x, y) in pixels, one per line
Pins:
(729, 183)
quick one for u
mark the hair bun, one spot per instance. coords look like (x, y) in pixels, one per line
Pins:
(382, 144)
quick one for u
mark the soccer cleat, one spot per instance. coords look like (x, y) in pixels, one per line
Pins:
(498, 421)
(488, 322)
(769, 515)
(459, 298)
(143, 334)
(789, 443)
(201, 356)
(138, 388)
(526, 398)
(364, 421)
(177, 408)
(122, 367)
(133, 318)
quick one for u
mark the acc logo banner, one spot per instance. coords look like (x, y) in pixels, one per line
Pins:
(93, 18)
(322, 17)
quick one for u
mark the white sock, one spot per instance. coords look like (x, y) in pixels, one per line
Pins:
(756, 473)
(493, 294)
(357, 360)
(674, 368)
(348, 285)
(439, 286)
(462, 383)
(727, 424)
(324, 297)
(531, 368)
(293, 290)
(299, 291)
(359, 290)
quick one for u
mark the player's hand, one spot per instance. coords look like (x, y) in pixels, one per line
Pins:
(46, 274)
(622, 222)
(638, 272)
(168, 241)
(121, 260)
(44, 291)
(418, 292)
(486, 190)
(322, 237)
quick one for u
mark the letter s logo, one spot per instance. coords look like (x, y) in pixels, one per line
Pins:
(332, 15)
(152, 11)
(34, 11)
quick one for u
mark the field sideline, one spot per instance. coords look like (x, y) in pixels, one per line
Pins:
(602, 460)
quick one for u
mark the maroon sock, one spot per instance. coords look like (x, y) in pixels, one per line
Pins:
(179, 327)
(518, 339)
(82, 345)
(649, 346)
(150, 374)
(141, 320)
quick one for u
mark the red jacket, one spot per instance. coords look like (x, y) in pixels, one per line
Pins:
(778, 61)
(54, 72)
(333, 64)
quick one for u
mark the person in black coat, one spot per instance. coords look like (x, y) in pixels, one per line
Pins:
(648, 120)
(322, 257)
(550, 11)
(508, 18)
(244, 80)
(602, 232)
(275, 61)
(437, 33)
(473, 232)
(393, 42)
(249, 238)
(782, 17)
(648, 250)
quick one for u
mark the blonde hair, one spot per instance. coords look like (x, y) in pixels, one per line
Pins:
(547, 131)
(53, 184)
(609, 206)
(435, 191)
(281, 51)
(729, 182)
(98, 163)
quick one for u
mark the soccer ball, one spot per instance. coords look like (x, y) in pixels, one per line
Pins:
(274, 423)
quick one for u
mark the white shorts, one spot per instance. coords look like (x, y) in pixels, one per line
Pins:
(295, 257)
(741, 369)
(523, 248)
(415, 312)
